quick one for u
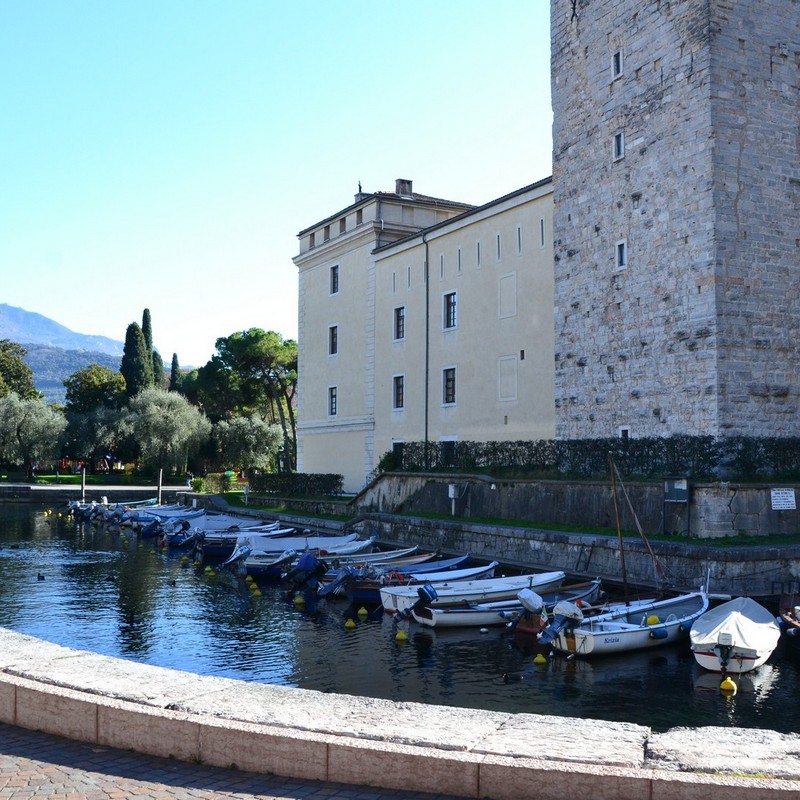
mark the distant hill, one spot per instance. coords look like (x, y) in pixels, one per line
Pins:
(28, 327)
(55, 352)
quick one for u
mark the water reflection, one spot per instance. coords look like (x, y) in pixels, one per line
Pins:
(121, 597)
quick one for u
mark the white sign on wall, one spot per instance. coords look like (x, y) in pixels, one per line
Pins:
(783, 500)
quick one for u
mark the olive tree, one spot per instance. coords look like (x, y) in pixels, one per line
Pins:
(30, 431)
(166, 428)
(247, 442)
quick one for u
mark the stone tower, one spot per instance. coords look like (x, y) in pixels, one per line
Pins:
(676, 173)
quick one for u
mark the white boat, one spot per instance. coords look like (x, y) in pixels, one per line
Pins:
(502, 612)
(737, 636)
(482, 590)
(632, 627)
(324, 544)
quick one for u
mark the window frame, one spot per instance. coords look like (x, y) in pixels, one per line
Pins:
(399, 324)
(621, 255)
(333, 279)
(618, 145)
(398, 392)
(333, 340)
(617, 64)
(333, 401)
(449, 386)
(450, 311)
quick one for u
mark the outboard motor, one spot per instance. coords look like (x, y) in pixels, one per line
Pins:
(565, 614)
(426, 595)
(339, 584)
(306, 573)
(533, 610)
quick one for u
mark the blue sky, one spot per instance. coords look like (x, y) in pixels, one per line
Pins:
(164, 155)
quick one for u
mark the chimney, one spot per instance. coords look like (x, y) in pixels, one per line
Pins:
(402, 186)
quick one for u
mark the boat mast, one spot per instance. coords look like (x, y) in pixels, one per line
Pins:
(619, 529)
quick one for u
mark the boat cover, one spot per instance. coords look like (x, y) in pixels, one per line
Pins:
(749, 624)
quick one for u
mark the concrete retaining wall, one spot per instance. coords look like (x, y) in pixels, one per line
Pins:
(714, 510)
(314, 736)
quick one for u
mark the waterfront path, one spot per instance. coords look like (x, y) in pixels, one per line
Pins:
(159, 733)
(39, 765)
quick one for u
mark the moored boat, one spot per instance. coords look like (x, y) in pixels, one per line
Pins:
(402, 598)
(634, 626)
(525, 612)
(737, 636)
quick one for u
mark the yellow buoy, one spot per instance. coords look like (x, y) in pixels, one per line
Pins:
(299, 600)
(253, 586)
(256, 592)
(249, 579)
(362, 612)
(198, 564)
(401, 635)
(728, 686)
(185, 560)
(350, 624)
(539, 659)
(653, 620)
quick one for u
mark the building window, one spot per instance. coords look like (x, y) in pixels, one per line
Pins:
(342, 225)
(333, 340)
(360, 216)
(441, 265)
(621, 254)
(398, 392)
(499, 248)
(311, 244)
(617, 64)
(449, 386)
(619, 145)
(542, 240)
(458, 259)
(519, 239)
(400, 323)
(334, 275)
(449, 310)
(326, 233)
(625, 432)
(333, 401)
(478, 254)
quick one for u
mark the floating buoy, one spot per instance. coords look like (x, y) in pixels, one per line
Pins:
(362, 612)
(256, 592)
(728, 686)
(539, 659)
(484, 630)
(350, 624)
(249, 579)
(253, 586)
(198, 564)
(299, 600)
(401, 635)
(185, 560)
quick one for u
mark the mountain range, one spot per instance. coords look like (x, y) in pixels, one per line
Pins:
(54, 351)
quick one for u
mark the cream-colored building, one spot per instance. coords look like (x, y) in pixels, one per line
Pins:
(386, 356)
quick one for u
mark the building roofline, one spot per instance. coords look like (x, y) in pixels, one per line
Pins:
(420, 199)
(472, 210)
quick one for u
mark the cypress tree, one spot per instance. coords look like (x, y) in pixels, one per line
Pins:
(175, 375)
(137, 363)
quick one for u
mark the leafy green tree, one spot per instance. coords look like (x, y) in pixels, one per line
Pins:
(175, 375)
(15, 375)
(137, 362)
(30, 431)
(95, 395)
(265, 367)
(216, 388)
(94, 387)
(247, 442)
(166, 427)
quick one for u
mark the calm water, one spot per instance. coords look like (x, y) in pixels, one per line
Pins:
(126, 599)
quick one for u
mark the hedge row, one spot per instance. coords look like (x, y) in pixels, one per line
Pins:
(698, 457)
(297, 484)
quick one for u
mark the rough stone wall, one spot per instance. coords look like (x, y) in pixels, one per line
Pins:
(755, 106)
(695, 334)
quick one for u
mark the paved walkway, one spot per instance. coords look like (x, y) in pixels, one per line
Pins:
(37, 765)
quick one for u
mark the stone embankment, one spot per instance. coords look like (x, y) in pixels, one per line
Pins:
(317, 736)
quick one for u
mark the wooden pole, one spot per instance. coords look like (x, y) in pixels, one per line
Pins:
(160, 474)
